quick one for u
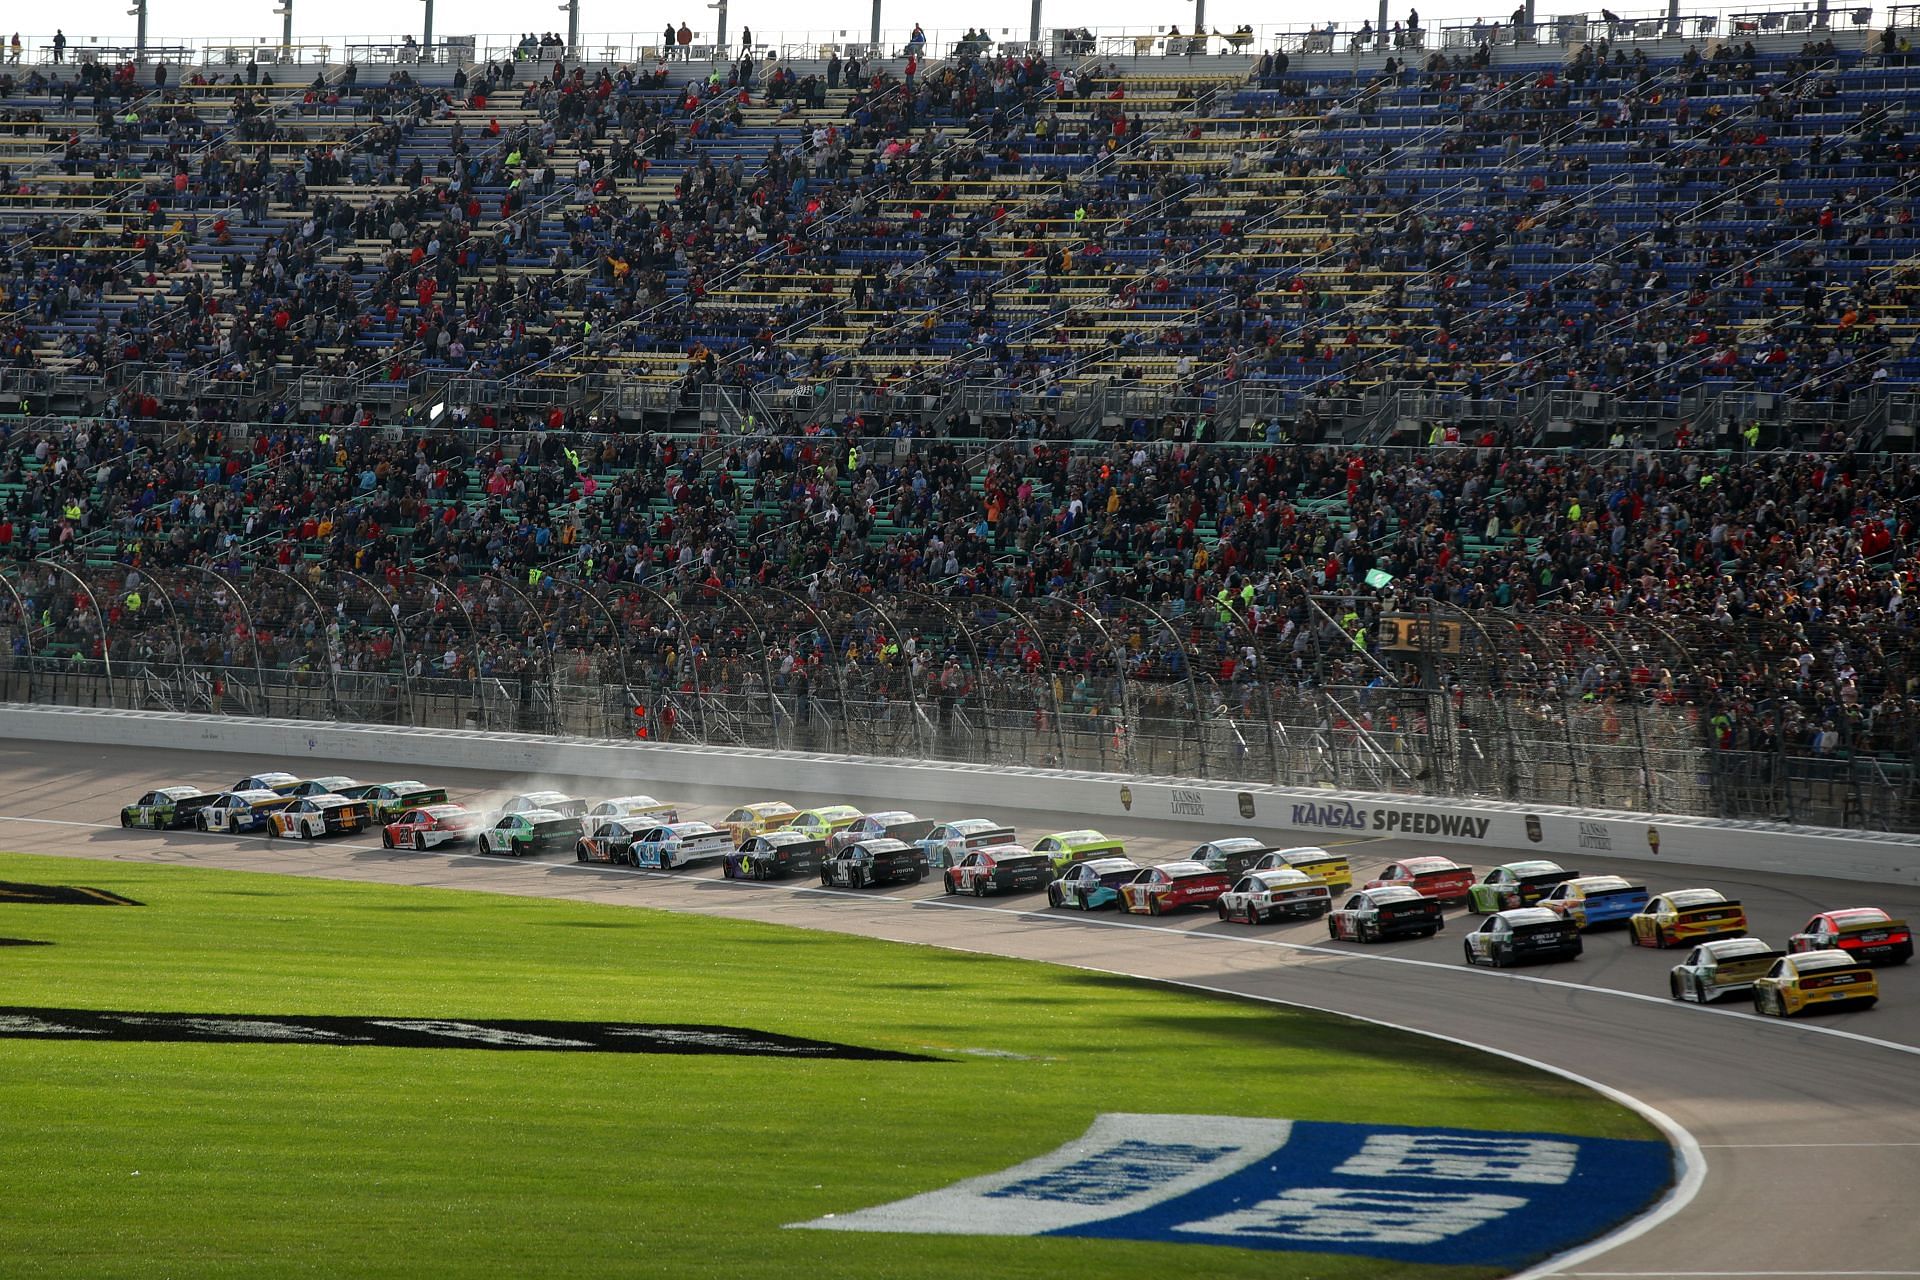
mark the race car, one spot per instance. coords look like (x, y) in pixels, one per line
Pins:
(275, 782)
(949, 840)
(872, 862)
(1441, 879)
(1517, 884)
(391, 799)
(1063, 847)
(1523, 933)
(667, 845)
(1173, 886)
(240, 811)
(166, 807)
(311, 817)
(1375, 915)
(544, 801)
(1232, 854)
(1865, 933)
(608, 842)
(1330, 869)
(645, 808)
(774, 855)
(825, 820)
(530, 831)
(332, 785)
(894, 824)
(1260, 896)
(1687, 915)
(1092, 883)
(1723, 967)
(1591, 901)
(757, 818)
(1814, 979)
(999, 868)
(431, 826)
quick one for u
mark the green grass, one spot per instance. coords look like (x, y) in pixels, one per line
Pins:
(265, 1159)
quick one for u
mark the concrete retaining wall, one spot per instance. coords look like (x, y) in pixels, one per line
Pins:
(1301, 816)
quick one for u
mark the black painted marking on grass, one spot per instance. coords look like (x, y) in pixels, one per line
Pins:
(32, 1023)
(23, 942)
(13, 893)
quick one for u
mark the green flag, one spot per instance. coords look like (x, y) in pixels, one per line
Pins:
(1379, 578)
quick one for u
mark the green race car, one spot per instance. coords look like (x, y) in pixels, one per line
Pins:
(164, 808)
(1515, 885)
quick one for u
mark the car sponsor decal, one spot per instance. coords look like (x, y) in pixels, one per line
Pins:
(59, 895)
(1449, 1196)
(424, 1033)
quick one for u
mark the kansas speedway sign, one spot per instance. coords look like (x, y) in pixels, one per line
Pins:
(96, 1025)
(1445, 1196)
(1340, 816)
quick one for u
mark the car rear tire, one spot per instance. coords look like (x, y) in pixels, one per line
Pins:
(1153, 905)
(1659, 937)
(519, 848)
(947, 883)
(1220, 909)
(386, 838)
(1676, 986)
(1333, 927)
(979, 887)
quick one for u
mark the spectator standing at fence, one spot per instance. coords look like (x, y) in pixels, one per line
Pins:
(667, 41)
(13, 51)
(59, 45)
(685, 37)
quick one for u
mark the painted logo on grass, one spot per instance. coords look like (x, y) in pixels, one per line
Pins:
(1469, 1197)
(59, 895)
(24, 1023)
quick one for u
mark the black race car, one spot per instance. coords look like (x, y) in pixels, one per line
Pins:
(873, 862)
(775, 855)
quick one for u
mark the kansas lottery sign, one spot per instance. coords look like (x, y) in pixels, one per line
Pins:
(1417, 1195)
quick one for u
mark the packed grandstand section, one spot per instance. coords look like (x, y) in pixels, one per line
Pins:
(1516, 417)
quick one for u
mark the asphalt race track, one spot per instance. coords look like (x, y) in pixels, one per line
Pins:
(1809, 1131)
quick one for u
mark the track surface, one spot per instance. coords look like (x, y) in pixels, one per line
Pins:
(1810, 1130)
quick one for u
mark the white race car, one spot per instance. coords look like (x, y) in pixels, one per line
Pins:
(645, 808)
(546, 801)
(678, 844)
(1260, 896)
(273, 780)
(311, 817)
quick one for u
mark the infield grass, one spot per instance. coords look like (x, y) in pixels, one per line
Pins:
(121, 1159)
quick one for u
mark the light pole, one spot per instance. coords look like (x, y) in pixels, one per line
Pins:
(720, 24)
(876, 29)
(426, 37)
(286, 29)
(572, 9)
(139, 14)
(1033, 29)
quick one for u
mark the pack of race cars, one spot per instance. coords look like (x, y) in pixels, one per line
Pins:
(1526, 911)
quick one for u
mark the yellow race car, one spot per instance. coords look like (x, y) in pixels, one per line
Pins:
(1686, 916)
(824, 821)
(1330, 869)
(756, 819)
(1813, 979)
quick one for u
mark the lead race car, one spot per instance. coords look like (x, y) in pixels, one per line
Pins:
(1520, 934)
(164, 808)
(1866, 933)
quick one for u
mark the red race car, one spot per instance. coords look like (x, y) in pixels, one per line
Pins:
(1173, 886)
(1441, 879)
(430, 827)
(1865, 933)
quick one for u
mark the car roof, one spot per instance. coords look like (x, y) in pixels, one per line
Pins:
(440, 810)
(1693, 897)
(835, 811)
(543, 795)
(634, 802)
(329, 799)
(1304, 851)
(1186, 867)
(881, 844)
(539, 815)
(1240, 842)
(1808, 961)
(278, 774)
(1083, 836)
(1391, 893)
(406, 784)
(1734, 947)
(785, 835)
(1429, 862)
(1282, 875)
(767, 808)
(692, 828)
(891, 817)
(255, 795)
(176, 791)
(1856, 913)
(1533, 866)
(1600, 882)
(1007, 851)
(1529, 915)
(964, 825)
(1107, 866)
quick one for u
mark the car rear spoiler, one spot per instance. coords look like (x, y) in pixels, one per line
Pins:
(1615, 893)
(981, 839)
(191, 804)
(1867, 926)
(1546, 879)
(1706, 906)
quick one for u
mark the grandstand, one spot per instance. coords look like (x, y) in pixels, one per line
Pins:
(1521, 417)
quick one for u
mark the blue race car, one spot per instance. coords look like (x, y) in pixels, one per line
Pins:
(1591, 901)
(241, 811)
(1092, 884)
